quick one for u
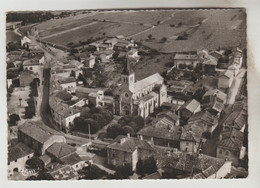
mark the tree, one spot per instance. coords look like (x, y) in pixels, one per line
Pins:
(146, 166)
(94, 172)
(139, 122)
(101, 120)
(78, 122)
(13, 118)
(93, 124)
(85, 113)
(128, 129)
(114, 130)
(29, 112)
(123, 172)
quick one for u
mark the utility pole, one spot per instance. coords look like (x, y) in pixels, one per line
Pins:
(89, 133)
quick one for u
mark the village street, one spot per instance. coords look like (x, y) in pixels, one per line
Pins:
(234, 89)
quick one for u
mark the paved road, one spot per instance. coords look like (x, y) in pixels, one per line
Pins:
(234, 89)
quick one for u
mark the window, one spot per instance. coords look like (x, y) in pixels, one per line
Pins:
(126, 95)
(187, 143)
(113, 155)
(8, 163)
(15, 161)
(28, 157)
(77, 166)
(30, 68)
(227, 153)
(220, 151)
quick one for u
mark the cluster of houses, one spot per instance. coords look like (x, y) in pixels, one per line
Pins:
(31, 60)
(48, 149)
(104, 49)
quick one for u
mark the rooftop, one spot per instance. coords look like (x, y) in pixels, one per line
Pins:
(31, 62)
(38, 131)
(204, 116)
(18, 151)
(63, 172)
(228, 74)
(153, 79)
(191, 105)
(185, 57)
(60, 150)
(129, 144)
(161, 132)
(215, 92)
(67, 80)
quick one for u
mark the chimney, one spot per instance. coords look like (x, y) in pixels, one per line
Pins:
(128, 135)
(220, 137)
(122, 140)
(141, 137)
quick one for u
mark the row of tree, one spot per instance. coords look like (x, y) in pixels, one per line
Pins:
(95, 119)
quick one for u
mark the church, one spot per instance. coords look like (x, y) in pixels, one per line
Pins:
(139, 97)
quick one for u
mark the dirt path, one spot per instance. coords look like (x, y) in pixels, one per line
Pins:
(69, 30)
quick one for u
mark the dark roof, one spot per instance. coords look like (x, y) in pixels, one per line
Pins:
(231, 139)
(63, 95)
(204, 116)
(60, 150)
(187, 135)
(67, 80)
(216, 92)
(38, 131)
(18, 151)
(71, 159)
(155, 175)
(236, 119)
(170, 115)
(129, 144)
(190, 105)
(161, 132)
(186, 162)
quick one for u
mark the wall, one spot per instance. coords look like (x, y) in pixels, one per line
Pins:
(20, 164)
(232, 156)
(34, 68)
(224, 170)
(69, 87)
(190, 146)
(118, 158)
(224, 82)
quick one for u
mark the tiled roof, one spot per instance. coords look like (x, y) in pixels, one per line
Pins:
(196, 130)
(38, 131)
(106, 52)
(186, 162)
(218, 106)
(169, 114)
(191, 105)
(187, 135)
(228, 74)
(219, 94)
(161, 132)
(236, 119)
(186, 57)
(67, 80)
(61, 107)
(146, 97)
(129, 144)
(60, 150)
(87, 90)
(18, 151)
(231, 139)
(63, 95)
(204, 116)
(63, 172)
(30, 62)
(71, 159)
(153, 79)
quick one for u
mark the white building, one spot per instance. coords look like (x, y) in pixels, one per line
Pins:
(17, 157)
(32, 65)
(68, 84)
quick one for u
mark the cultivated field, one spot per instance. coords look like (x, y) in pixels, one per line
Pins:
(205, 28)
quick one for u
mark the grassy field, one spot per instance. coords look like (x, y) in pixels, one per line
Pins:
(12, 37)
(96, 30)
(206, 28)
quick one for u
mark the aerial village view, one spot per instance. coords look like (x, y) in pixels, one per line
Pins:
(127, 94)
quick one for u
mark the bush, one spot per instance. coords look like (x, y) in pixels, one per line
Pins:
(190, 67)
(94, 172)
(146, 166)
(182, 66)
(13, 118)
(130, 130)
(123, 172)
